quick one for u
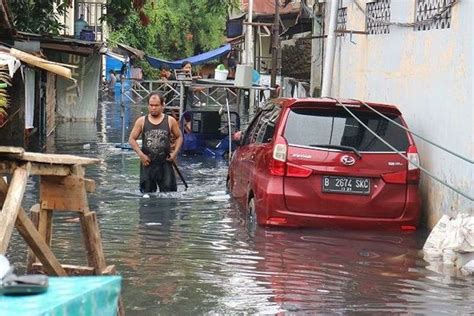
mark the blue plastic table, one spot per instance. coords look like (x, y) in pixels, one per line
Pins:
(72, 296)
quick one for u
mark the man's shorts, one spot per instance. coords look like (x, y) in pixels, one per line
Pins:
(159, 175)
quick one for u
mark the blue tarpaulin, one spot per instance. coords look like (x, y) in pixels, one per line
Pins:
(195, 60)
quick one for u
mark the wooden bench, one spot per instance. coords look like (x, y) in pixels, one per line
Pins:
(63, 187)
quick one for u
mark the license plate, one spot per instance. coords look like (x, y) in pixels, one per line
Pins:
(349, 185)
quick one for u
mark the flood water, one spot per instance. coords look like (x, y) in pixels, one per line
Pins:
(193, 252)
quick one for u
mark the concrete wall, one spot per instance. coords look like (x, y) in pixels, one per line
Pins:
(429, 76)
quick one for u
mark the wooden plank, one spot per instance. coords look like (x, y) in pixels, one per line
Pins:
(109, 270)
(90, 185)
(61, 64)
(15, 151)
(37, 169)
(7, 166)
(31, 258)
(41, 63)
(78, 170)
(36, 242)
(63, 193)
(68, 48)
(45, 225)
(58, 159)
(3, 191)
(12, 205)
(70, 269)
(92, 241)
(121, 307)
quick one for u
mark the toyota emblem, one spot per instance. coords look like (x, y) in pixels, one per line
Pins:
(347, 160)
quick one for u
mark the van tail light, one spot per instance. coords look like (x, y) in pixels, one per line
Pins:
(297, 171)
(277, 164)
(395, 177)
(409, 176)
(413, 174)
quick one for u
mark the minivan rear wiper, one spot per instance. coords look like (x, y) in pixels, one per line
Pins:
(350, 148)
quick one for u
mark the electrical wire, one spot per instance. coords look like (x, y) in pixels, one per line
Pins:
(402, 155)
(413, 133)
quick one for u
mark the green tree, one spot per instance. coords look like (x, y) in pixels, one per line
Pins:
(168, 29)
(173, 29)
(118, 10)
(38, 16)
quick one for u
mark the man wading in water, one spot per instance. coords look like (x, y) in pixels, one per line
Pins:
(156, 155)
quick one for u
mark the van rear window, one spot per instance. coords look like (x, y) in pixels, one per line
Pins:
(310, 127)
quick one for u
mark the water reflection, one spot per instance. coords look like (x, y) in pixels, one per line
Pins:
(318, 271)
(192, 252)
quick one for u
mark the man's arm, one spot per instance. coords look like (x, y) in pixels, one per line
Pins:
(132, 140)
(174, 127)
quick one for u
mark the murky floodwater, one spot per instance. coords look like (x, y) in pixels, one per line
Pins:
(191, 252)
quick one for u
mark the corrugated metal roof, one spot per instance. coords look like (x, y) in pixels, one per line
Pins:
(63, 44)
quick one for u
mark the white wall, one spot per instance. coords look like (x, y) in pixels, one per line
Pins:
(429, 76)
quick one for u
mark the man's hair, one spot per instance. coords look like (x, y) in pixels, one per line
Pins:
(184, 63)
(156, 94)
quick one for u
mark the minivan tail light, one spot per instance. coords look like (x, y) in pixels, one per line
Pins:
(413, 174)
(277, 168)
(279, 152)
(297, 171)
(277, 164)
(395, 177)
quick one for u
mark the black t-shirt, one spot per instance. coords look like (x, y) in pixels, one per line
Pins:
(156, 140)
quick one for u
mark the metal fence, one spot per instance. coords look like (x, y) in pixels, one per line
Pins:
(176, 93)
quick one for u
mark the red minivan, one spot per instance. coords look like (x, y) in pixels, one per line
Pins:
(313, 163)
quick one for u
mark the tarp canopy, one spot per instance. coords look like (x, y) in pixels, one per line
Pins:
(119, 57)
(194, 60)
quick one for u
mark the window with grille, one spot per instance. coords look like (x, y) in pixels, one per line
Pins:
(341, 19)
(433, 14)
(378, 17)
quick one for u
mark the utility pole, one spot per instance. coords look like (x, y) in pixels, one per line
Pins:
(316, 54)
(330, 52)
(275, 46)
(248, 56)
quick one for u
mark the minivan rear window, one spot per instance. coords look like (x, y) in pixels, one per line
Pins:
(312, 127)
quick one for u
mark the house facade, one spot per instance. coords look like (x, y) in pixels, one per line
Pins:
(45, 92)
(92, 12)
(418, 55)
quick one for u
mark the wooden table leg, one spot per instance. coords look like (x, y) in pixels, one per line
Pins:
(12, 204)
(36, 242)
(93, 242)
